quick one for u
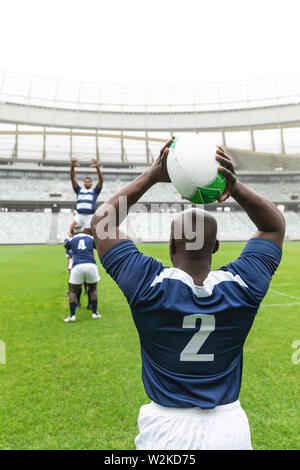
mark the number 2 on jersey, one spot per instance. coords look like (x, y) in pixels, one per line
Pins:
(208, 325)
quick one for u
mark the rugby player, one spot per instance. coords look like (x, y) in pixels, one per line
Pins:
(69, 255)
(86, 195)
(192, 321)
(69, 265)
(84, 269)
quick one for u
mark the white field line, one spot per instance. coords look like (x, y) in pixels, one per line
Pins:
(284, 295)
(279, 305)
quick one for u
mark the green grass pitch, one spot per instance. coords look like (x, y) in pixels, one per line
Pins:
(78, 386)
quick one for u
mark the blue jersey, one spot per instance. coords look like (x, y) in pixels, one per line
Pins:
(68, 251)
(86, 199)
(192, 336)
(82, 247)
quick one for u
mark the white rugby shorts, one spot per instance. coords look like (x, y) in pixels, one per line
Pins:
(84, 272)
(83, 219)
(70, 263)
(225, 427)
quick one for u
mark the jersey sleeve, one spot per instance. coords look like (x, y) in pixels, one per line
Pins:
(256, 265)
(77, 189)
(67, 244)
(132, 270)
(97, 190)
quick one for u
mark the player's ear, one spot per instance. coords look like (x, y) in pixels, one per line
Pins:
(216, 247)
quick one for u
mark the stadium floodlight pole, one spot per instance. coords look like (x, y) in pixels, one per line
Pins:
(97, 147)
(71, 145)
(16, 146)
(282, 141)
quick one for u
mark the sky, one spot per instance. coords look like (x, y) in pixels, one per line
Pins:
(150, 41)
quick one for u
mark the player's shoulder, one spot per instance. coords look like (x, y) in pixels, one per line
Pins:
(261, 244)
(82, 235)
(67, 241)
(213, 279)
(257, 253)
(126, 256)
(218, 276)
(124, 248)
(256, 265)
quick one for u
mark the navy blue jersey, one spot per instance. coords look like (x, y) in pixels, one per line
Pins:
(86, 199)
(192, 336)
(82, 247)
(68, 251)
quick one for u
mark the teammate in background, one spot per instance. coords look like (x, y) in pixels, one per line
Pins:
(69, 255)
(84, 269)
(192, 322)
(86, 289)
(70, 233)
(86, 196)
(69, 265)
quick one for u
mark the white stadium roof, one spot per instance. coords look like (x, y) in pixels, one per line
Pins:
(49, 118)
(147, 97)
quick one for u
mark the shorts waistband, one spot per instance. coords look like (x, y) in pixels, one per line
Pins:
(196, 411)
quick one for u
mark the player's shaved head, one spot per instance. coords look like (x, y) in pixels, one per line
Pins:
(193, 235)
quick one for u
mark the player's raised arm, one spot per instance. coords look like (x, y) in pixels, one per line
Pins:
(95, 164)
(263, 213)
(110, 215)
(74, 163)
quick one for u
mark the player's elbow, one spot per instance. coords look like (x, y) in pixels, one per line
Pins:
(282, 227)
(278, 232)
(280, 223)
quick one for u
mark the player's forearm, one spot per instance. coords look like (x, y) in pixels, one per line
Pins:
(100, 176)
(117, 207)
(263, 213)
(72, 175)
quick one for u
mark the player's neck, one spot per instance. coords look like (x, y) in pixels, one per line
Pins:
(198, 268)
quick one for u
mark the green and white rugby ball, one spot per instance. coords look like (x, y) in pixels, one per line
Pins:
(193, 169)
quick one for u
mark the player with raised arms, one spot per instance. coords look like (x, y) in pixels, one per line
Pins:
(192, 321)
(86, 195)
(84, 269)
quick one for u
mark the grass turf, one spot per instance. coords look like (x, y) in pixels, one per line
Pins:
(78, 386)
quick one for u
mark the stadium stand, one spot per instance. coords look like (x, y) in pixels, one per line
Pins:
(28, 227)
(22, 186)
(36, 189)
(39, 133)
(257, 161)
(25, 227)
